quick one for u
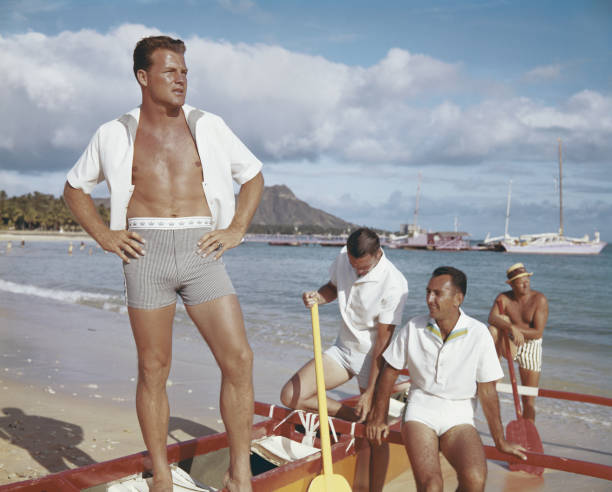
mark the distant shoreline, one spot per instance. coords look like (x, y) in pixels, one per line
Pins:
(26, 235)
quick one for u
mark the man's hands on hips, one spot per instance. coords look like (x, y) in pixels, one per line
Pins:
(219, 242)
(125, 244)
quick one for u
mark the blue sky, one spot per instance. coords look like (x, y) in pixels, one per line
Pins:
(345, 102)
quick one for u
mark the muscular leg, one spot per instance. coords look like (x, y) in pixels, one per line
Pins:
(220, 323)
(422, 446)
(152, 329)
(463, 449)
(371, 466)
(529, 378)
(500, 341)
(300, 392)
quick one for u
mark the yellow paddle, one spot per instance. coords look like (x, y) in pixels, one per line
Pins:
(329, 481)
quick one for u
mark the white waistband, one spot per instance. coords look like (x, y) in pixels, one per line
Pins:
(169, 222)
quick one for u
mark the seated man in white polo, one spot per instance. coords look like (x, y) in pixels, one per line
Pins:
(451, 359)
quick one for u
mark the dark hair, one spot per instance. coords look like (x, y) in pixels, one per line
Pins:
(146, 46)
(458, 278)
(362, 242)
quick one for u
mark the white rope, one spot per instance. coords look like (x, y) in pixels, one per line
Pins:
(331, 427)
(310, 422)
(299, 412)
(271, 413)
(352, 441)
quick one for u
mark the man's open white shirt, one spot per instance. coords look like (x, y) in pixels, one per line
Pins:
(448, 369)
(377, 297)
(110, 154)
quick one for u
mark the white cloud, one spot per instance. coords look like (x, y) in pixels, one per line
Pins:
(543, 73)
(407, 109)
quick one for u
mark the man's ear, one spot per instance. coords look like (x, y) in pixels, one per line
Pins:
(458, 298)
(143, 77)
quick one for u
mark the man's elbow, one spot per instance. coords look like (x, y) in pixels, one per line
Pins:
(68, 190)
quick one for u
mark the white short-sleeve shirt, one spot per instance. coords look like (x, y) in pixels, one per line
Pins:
(110, 154)
(377, 297)
(448, 369)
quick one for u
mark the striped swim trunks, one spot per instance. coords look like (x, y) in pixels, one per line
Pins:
(529, 355)
(172, 265)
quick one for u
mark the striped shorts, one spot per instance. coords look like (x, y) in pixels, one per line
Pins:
(529, 355)
(172, 265)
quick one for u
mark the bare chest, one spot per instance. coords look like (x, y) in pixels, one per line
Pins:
(165, 157)
(523, 311)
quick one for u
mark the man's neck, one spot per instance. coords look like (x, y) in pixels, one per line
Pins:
(159, 115)
(446, 325)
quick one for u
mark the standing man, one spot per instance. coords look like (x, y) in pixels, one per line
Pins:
(371, 294)
(523, 319)
(451, 359)
(169, 168)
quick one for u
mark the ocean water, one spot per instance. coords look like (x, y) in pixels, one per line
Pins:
(270, 279)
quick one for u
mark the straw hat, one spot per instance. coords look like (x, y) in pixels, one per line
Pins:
(517, 270)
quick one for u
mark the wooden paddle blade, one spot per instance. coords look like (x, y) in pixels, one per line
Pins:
(331, 482)
(525, 433)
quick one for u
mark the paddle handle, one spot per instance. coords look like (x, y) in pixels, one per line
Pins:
(517, 402)
(321, 394)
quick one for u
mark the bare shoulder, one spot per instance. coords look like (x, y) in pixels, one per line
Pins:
(540, 298)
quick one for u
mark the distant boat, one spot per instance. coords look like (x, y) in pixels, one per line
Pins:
(417, 238)
(555, 243)
(495, 243)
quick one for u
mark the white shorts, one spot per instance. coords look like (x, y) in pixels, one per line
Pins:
(439, 414)
(356, 363)
(529, 355)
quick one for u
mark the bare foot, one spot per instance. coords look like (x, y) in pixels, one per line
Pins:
(161, 484)
(233, 484)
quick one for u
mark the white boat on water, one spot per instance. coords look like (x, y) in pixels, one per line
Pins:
(555, 243)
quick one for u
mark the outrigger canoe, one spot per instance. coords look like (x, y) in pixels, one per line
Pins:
(281, 460)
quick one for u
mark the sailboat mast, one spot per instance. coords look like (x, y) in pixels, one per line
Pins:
(416, 207)
(560, 191)
(508, 210)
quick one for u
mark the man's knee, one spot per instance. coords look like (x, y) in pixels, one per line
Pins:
(430, 483)
(153, 369)
(286, 395)
(472, 478)
(239, 363)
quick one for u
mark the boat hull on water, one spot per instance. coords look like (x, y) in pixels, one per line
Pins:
(553, 244)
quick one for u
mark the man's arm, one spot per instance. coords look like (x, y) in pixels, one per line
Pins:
(504, 324)
(376, 427)
(248, 201)
(326, 293)
(540, 317)
(490, 407)
(125, 244)
(383, 336)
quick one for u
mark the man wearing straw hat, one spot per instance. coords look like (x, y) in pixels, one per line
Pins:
(525, 312)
